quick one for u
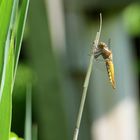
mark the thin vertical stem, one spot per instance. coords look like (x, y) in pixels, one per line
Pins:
(99, 32)
(28, 117)
(85, 86)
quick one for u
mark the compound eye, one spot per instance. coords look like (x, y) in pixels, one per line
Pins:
(102, 45)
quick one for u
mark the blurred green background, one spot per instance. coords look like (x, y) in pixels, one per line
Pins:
(54, 59)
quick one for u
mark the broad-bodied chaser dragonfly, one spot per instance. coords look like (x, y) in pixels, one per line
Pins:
(103, 50)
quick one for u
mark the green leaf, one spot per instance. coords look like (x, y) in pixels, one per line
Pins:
(13, 136)
(6, 67)
(20, 30)
(6, 101)
(5, 17)
(8, 11)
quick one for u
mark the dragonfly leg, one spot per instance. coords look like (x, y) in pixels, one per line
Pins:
(97, 52)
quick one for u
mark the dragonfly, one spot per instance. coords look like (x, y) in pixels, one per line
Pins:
(103, 50)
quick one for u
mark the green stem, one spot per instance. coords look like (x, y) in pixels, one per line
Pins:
(86, 83)
(85, 87)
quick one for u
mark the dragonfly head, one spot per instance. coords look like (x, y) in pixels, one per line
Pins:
(102, 45)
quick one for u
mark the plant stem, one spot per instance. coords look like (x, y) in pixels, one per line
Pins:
(86, 83)
(85, 87)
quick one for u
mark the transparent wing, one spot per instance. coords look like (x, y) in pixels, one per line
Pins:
(99, 63)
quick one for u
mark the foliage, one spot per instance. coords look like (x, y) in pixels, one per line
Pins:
(11, 34)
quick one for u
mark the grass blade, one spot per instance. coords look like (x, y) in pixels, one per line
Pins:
(5, 18)
(6, 101)
(86, 83)
(8, 11)
(20, 30)
(28, 118)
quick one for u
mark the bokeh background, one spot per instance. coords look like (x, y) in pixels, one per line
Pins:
(54, 59)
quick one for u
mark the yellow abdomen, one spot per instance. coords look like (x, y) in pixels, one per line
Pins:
(110, 70)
